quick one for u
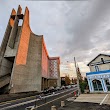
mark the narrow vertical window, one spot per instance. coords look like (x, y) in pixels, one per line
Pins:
(96, 68)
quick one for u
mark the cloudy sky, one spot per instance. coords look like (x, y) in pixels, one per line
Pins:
(71, 29)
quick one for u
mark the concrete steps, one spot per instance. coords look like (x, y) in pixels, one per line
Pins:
(4, 80)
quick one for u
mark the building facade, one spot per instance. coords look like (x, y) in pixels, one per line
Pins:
(99, 77)
(24, 61)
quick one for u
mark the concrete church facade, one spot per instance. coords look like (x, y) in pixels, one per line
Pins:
(24, 61)
(99, 77)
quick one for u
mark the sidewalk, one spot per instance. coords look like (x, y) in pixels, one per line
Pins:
(84, 106)
(93, 98)
(88, 102)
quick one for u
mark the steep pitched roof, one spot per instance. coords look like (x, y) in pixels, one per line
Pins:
(96, 57)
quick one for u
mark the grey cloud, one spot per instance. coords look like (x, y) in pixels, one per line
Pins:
(82, 32)
(69, 28)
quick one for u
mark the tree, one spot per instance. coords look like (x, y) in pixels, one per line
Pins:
(67, 80)
(72, 80)
(75, 81)
(85, 79)
(79, 74)
(83, 85)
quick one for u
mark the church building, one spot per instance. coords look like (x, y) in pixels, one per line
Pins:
(25, 64)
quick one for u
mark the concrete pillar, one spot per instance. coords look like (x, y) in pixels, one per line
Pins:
(14, 29)
(46, 83)
(62, 103)
(6, 37)
(42, 83)
(53, 107)
(104, 85)
(109, 80)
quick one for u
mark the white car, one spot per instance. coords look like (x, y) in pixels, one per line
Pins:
(51, 89)
(69, 86)
(57, 88)
(62, 87)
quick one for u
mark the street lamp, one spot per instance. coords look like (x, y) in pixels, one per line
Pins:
(79, 91)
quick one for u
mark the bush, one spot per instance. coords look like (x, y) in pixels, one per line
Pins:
(83, 86)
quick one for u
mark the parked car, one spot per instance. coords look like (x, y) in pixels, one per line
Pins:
(38, 97)
(62, 87)
(57, 88)
(68, 87)
(51, 89)
(74, 85)
(46, 91)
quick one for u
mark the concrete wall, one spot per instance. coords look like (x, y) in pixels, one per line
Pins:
(27, 69)
(59, 78)
(21, 56)
(101, 67)
(45, 61)
(12, 52)
(28, 77)
(5, 65)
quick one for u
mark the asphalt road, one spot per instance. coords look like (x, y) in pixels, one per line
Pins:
(45, 103)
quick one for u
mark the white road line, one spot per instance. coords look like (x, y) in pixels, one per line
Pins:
(23, 103)
(54, 99)
(1, 103)
(103, 99)
(5, 104)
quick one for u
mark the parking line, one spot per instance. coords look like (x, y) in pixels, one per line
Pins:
(4, 104)
(103, 99)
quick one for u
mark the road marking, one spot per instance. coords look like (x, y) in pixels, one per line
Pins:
(54, 100)
(5, 104)
(12, 106)
(23, 103)
(103, 99)
(15, 100)
(18, 99)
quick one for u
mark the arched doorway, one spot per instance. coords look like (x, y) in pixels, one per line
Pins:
(97, 85)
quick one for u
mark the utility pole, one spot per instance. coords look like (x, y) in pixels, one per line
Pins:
(79, 91)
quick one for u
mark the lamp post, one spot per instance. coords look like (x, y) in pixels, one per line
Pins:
(79, 91)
